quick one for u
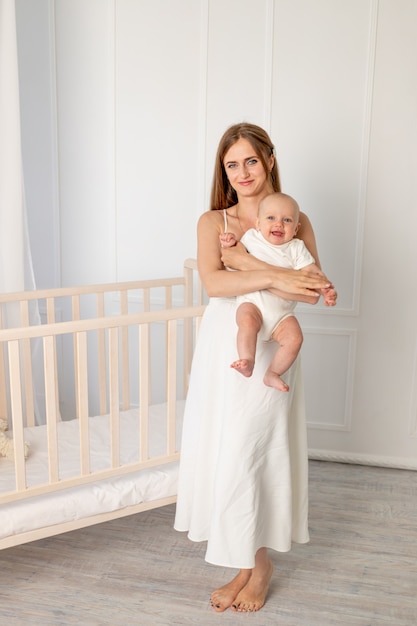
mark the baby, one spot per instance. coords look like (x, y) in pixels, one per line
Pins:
(263, 312)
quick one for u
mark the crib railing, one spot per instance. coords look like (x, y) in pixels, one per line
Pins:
(108, 361)
(24, 309)
(113, 328)
(55, 301)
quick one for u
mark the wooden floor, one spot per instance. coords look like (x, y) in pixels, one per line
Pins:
(360, 568)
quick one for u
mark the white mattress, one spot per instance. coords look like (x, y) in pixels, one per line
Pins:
(98, 497)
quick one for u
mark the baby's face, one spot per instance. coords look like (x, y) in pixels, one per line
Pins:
(278, 219)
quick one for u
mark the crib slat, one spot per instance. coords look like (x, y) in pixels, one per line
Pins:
(101, 353)
(171, 385)
(75, 304)
(24, 313)
(51, 400)
(3, 396)
(17, 413)
(51, 317)
(168, 305)
(168, 297)
(124, 309)
(27, 366)
(146, 295)
(50, 310)
(75, 313)
(114, 397)
(27, 369)
(82, 388)
(144, 395)
(146, 299)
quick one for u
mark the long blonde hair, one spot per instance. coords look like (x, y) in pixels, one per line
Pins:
(222, 193)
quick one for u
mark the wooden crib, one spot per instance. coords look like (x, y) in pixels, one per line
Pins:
(93, 397)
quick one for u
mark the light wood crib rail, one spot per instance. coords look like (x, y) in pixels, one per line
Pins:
(93, 398)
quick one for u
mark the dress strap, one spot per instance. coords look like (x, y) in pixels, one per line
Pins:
(225, 220)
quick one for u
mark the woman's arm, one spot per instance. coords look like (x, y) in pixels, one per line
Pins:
(239, 259)
(306, 233)
(292, 284)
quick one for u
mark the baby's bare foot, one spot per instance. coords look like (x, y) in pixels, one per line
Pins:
(243, 366)
(271, 379)
(222, 598)
(253, 595)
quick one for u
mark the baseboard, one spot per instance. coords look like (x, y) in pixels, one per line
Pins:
(363, 459)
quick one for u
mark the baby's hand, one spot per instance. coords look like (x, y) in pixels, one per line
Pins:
(329, 296)
(227, 240)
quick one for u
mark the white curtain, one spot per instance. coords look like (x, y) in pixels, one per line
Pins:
(16, 272)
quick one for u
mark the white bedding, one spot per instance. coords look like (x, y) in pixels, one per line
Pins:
(98, 497)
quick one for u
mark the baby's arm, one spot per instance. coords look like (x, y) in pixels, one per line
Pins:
(329, 293)
(227, 240)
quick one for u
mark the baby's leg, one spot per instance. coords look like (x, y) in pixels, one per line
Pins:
(249, 322)
(290, 337)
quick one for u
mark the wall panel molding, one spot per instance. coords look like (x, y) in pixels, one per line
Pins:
(365, 149)
(202, 105)
(269, 63)
(330, 389)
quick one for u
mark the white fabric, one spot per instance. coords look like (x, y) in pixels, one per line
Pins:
(292, 255)
(15, 259)
(243, 468)
(16, 270)
(100, 496)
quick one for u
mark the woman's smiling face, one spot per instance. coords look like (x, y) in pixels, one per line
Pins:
(245, 170)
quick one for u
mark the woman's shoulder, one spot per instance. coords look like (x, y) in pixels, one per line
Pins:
(212, 214)
(223, 220)
(211, 218)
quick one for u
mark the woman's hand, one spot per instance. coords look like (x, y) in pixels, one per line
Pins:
(300, 285)
(255, 275)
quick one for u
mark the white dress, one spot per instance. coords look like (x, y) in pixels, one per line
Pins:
(243, 480)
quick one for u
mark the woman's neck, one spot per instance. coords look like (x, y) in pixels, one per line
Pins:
(247, 208)
(245, 211)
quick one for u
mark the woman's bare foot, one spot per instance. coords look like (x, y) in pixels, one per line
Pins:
(253, 595)
(222, 598)
(272, 379)
(244, 366)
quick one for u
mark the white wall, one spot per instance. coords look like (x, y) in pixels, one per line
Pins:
(142, 92)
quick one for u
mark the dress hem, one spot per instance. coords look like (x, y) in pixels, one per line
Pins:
(246, 566)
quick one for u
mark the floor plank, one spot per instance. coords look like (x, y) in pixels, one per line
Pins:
(359, 569)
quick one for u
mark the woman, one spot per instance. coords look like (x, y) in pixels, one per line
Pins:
(243, 471)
